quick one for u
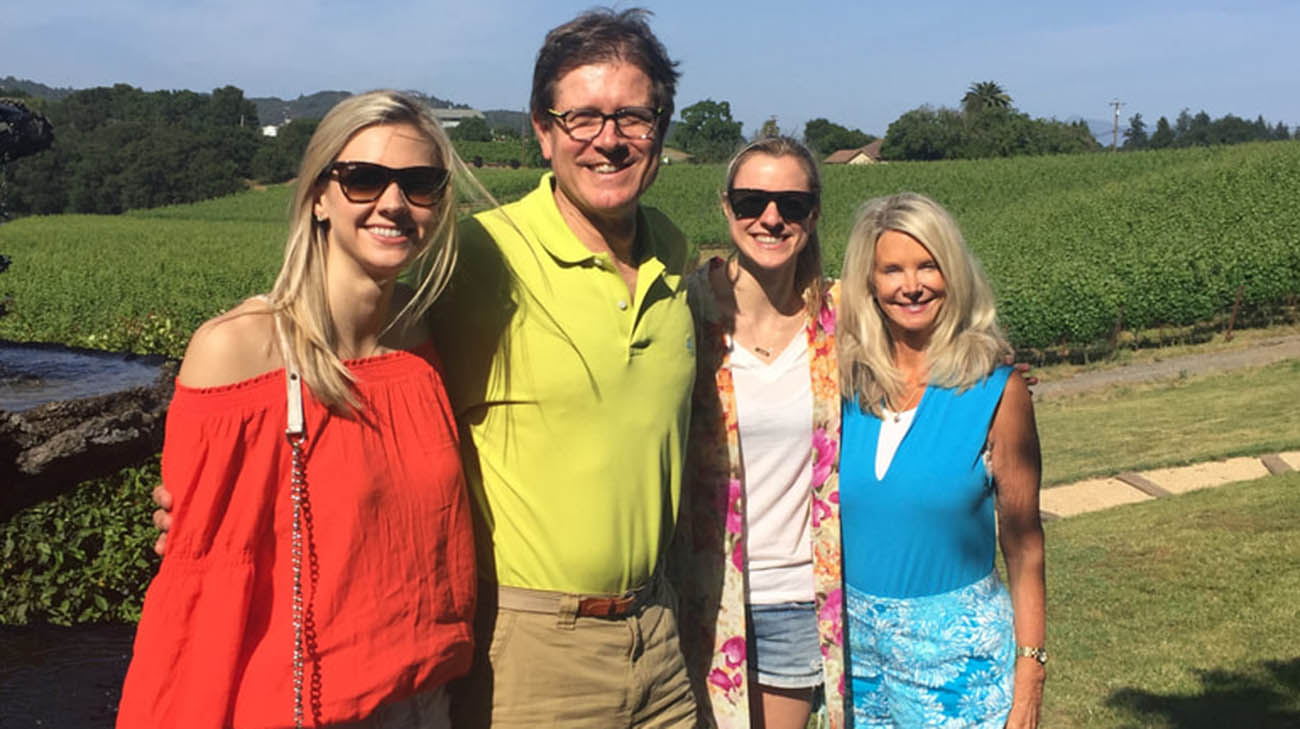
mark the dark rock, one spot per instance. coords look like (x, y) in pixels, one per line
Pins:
(23, 132)
(51, 448)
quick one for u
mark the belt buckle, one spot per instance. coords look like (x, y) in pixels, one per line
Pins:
(607, 607)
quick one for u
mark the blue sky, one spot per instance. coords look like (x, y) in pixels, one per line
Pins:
(861, 64)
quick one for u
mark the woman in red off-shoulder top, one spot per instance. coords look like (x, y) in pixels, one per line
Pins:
(350, 605)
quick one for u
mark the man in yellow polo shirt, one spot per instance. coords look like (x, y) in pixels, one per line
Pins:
(569, 359)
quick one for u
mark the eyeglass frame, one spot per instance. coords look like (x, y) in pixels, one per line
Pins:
(393, 175)
(560, 117)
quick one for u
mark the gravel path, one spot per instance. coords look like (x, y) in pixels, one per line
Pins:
(1259, 354)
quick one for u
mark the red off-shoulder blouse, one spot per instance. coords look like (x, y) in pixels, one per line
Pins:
(389, 584)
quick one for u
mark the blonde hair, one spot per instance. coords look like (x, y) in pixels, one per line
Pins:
(808, 266)
(298, 297)
(967, 343)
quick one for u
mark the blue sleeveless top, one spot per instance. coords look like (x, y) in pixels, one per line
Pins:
(928, 526)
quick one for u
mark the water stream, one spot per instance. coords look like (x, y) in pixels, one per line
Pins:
(36, 374)
(62, 678)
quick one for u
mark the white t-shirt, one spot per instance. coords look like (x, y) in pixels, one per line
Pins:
(893, 426)
(774, 412)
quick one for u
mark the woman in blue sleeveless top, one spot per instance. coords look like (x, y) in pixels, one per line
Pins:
(938, 443)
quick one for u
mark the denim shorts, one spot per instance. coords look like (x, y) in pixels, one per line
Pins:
(783, 641)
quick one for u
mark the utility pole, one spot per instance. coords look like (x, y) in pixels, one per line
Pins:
(1114, 139)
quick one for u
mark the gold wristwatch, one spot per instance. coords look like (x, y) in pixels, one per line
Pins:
(1035, 652)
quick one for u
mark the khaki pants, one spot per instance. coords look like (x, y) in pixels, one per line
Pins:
(425, 710)
(534, 669)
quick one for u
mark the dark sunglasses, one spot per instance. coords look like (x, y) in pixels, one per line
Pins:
(364, 182)
(794, 205)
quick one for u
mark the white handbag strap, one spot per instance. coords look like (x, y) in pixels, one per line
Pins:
(294, 432)
(292, 382)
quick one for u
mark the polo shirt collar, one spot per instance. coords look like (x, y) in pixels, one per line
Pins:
(560, 242)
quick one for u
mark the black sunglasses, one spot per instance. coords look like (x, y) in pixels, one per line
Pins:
(364, 182)
(794, 205)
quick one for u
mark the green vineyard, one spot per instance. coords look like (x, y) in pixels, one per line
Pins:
(1077, 247)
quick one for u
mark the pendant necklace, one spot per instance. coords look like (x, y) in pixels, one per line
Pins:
(914, 394)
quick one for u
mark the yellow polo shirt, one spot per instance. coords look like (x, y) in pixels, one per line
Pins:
(573, 397)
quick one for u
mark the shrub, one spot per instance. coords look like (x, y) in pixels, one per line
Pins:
(85, 556)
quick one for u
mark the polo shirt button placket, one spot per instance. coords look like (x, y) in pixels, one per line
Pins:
(622, 305)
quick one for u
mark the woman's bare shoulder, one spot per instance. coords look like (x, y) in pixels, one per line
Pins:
(232, 347)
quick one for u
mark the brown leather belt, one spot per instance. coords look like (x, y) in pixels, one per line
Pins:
(607, 607)
(546, 601)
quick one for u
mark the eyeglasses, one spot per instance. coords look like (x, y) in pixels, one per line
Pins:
(793, 205)
(364, 182)
(631, 122)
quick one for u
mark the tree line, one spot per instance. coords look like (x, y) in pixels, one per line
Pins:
(1200, 130)
(985, 124)
(118, 148)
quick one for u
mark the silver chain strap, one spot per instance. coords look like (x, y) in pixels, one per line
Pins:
(297, 492)
(296, 434)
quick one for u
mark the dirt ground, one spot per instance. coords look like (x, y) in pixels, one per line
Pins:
(1266, 351)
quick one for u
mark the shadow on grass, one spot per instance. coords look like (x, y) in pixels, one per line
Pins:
(1264, 697)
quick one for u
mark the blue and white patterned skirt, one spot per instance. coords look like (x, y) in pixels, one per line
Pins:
(943, 660)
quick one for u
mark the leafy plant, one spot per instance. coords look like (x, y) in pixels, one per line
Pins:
(1074, 244)
(85, 556)
(150, 334)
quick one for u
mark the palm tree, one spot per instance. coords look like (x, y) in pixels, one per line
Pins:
(984, 95)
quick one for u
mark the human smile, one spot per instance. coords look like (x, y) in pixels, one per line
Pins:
(914, 307)
(389, 233)
(608, 168)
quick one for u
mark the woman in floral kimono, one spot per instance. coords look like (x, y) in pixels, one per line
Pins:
(756, 558)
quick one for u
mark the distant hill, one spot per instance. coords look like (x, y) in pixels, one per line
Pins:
(1100, 128)
(273, 110)
(31, 88)
(270, 109)
(516, 120)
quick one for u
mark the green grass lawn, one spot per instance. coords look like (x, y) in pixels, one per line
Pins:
(1193, 419)
(1178, 613)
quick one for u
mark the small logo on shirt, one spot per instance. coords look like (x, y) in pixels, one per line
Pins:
(690, 343)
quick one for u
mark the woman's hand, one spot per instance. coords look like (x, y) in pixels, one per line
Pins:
(162, 517)
(1027, 696)
(1022, 369)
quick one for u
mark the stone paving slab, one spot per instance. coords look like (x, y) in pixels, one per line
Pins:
(1291, 458)
(1090, 495)
(1204, 475)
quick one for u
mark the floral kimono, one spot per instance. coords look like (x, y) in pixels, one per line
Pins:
(708, 561)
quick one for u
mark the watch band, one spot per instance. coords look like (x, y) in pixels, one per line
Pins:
(1038, 653)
